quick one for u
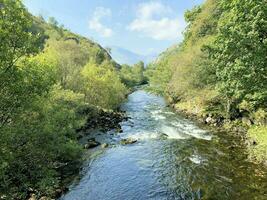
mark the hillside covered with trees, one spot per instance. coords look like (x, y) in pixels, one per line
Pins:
(219, 71)
(49, 77)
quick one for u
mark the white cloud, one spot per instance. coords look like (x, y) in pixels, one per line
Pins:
(147, 10)
(152, 21)
(95, 22)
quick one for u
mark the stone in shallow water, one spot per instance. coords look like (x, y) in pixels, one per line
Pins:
(104, 145)
(91, 144)
(128, 141)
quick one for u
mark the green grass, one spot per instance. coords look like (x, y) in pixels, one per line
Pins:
(259, 135)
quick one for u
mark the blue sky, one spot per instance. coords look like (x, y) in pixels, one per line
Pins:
(141, 26)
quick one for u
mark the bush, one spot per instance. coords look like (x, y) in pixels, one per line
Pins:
(40, 143)
(102, 86)
(133, 75)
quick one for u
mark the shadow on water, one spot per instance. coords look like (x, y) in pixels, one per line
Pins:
(173, 159)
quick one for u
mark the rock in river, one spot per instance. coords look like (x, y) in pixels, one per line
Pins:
(104, 145)
(91, 143)
(128, 141)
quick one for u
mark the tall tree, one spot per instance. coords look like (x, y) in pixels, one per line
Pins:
(240, 51)
(17, 41)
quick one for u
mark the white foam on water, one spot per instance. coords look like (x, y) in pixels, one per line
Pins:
(156, 115)
(192, 130)
(168, 112)
(145, 163)
(145, 135)
(155, 112)
(173, 133)
(199, 134)
(196, 159)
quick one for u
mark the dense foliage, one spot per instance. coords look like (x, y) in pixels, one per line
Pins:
(48, 76)
(220, 67)
(239, 52)
(133, 75)
(102, 86)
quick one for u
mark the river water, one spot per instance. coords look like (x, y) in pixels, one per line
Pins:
(172, 159)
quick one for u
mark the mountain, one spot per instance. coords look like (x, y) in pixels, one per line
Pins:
(125, 56)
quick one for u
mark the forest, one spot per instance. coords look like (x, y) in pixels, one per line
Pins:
(49, 77)
(219, 72)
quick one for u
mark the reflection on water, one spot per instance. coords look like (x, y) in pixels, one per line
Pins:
(173, 159)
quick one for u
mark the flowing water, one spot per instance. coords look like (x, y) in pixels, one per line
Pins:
(172, 159)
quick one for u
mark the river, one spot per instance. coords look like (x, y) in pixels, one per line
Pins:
(174, 158)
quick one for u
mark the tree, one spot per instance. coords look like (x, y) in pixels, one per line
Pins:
(108, 49)
(52, 21)
(40, 144)
(70, 58)
(102, 86)
(16, 72)
(191, 15)
(239, 52)
(159, 75)
(133, 75)
(16, 37)
(41, 100)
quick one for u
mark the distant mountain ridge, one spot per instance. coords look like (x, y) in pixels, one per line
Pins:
(125, 56)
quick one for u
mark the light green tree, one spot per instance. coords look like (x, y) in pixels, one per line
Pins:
(102, 85)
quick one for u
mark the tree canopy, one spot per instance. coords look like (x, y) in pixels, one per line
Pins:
(223, 54)
(48, 77)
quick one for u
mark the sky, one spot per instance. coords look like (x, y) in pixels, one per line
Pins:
(141, 26)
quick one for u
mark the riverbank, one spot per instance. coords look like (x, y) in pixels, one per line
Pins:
(98, 122)
(105, 129)
(253, 136)
(99, 127)
(172, 158)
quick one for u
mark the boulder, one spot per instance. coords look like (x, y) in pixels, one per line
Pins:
(44, 198)
(60, 191)
(208, 120)
(90, 139)
(104, 145)
(79, 136)
(33, 197)
(91, 143)
(246, 121)
(211, 120)
(119, 130)
(164, 136)
(128, 141)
